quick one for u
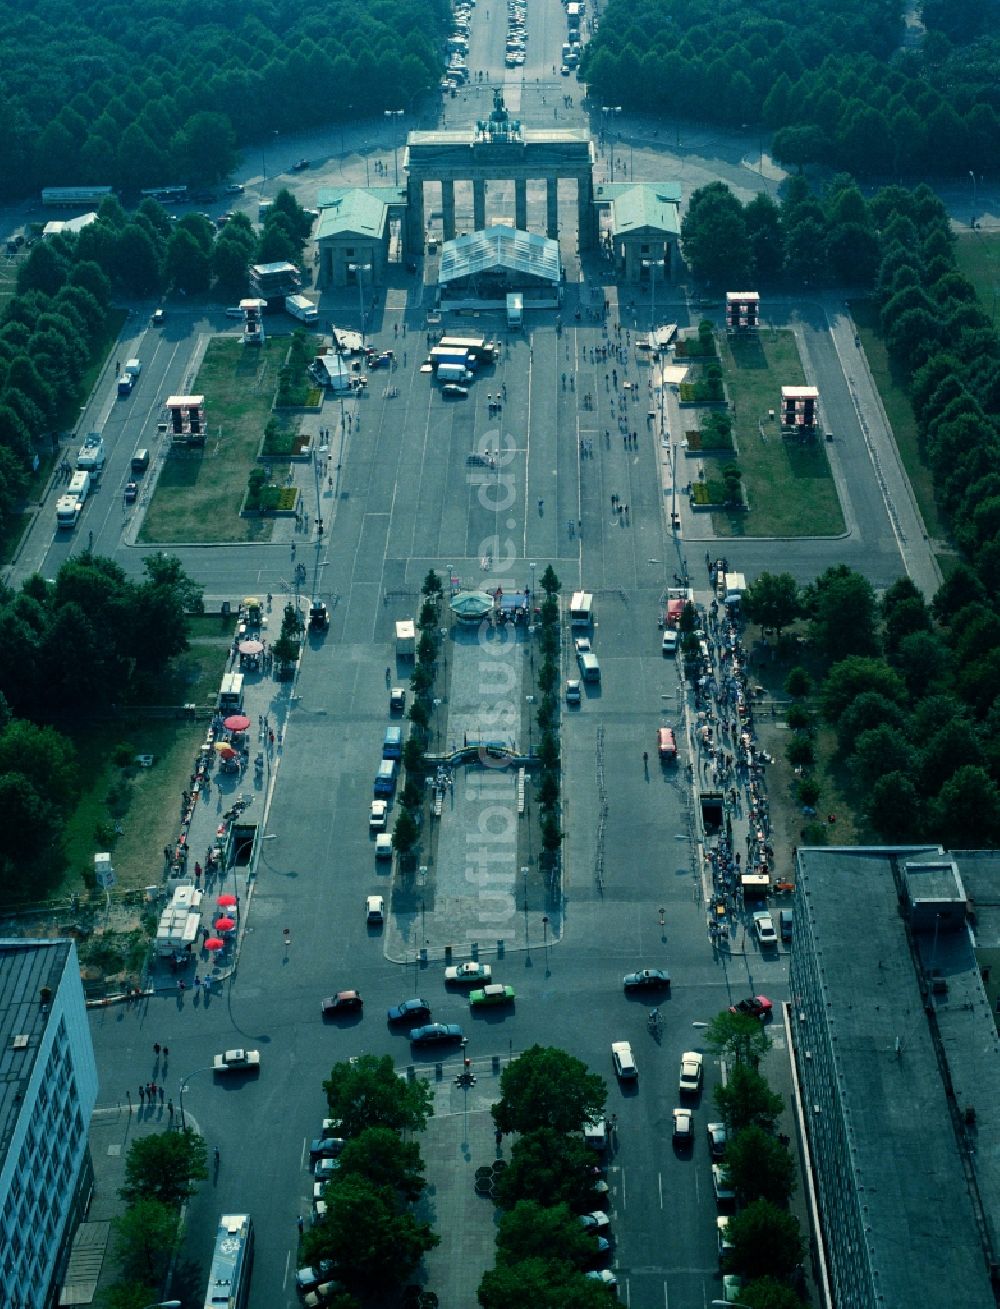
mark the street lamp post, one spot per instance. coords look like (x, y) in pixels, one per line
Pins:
(358, 269)
(608, 111)
(394, 113)
(975, 195)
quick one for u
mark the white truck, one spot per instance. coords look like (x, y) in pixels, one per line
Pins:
(581, 609)
(91, 456)
(302, 308)
(731, 588)
(79, 485)
(453, 373)
(406, 639)
(68, 509)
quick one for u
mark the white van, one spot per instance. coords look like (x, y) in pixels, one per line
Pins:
(590, 669)
(231, 693)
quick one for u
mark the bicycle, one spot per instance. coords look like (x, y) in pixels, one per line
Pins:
(653, 1021)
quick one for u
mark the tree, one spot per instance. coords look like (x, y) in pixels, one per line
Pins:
(388, 1162)
(43, 755)
(550, 583)
(764, 236)
(146, 1235)
(714, 236)
(798, 683)
(766, 1241)
(374, 1245)
(165, 1167)
(231, 258)
(759, 1167)
(137, 261)
(857, 676)
(769, 1293)
(966, 812)
(541, 1283)
(772, 600)
(546, 1087)
(841, 605)
(534, 1231)
(800, 752)
(740, 1038)
(204, 149)
(368, 1093)
(548, 1166)
(405, 833)
(746, 1100)
(129, 1295)
(188, 267)
(879, 750)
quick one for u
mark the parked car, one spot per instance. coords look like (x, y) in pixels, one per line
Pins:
(344, 1002)
(235, 188)
(326, 1147)
(470, 971)
(573, 693)
(375, 910)
(647, 979)
(691, 1072)
(397, 700)
(605, 1276)
(597, 1221)
(494, 994)
(669, 643)
(721, 1185)
(326, 1291)
(236, 1061)
(409, 1010)
(436, 1034)
(763, 925)
(324, 1169)
(378, 815)
(131, 493)
(717, 1138)
(313, 1275)
(158, 317)
(454, 391)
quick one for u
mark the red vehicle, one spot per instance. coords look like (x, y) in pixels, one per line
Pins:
(754, 1006)
(344, 1002)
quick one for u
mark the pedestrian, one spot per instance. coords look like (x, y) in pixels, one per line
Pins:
(197, 980)
(170, 1108)
(156, 1048)
(160, 1089)
(151, 1091)
(270, 739)
(206, 982)
(499, 1138)
(300, 1223)
(166, 1054)
(142, 1095)
(181, 986)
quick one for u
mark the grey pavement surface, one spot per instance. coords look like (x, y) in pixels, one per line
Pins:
(405, 499)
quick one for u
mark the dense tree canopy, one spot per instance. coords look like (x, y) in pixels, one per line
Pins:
(165, 95)
(834, 81)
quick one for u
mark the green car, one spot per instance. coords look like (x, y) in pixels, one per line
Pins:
(495, 993)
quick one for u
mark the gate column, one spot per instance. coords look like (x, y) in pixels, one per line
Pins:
(478, 204)
(521, 204)
(552, 208)
(414, 216)
(448, 208)
(585, 204)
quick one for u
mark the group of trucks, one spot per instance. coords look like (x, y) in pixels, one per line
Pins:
(455, 358)
(89, 464)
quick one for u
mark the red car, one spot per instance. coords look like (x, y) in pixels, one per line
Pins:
(344, 1002)
(754, 1006)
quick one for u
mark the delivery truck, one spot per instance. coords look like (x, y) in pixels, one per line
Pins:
(68, 509)
(91, 456)
(302, 308)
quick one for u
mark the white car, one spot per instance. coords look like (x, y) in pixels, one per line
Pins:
(624, 1061)
(582, 645)
(236, 1061)
(468, 973)
(763, 925)
(691, 1070)
(383, 846)
(723, 1187)
(669, 641)
(378, 815)
(725, 1240)
(573, 693)
(683, 1126)
(375, 910)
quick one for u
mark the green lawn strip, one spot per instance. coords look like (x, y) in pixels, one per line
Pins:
(978, 257)
(146, 805)
(891, 384)
(789, 486)
(198, 495)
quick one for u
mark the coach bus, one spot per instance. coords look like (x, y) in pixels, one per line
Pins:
(232, 1263)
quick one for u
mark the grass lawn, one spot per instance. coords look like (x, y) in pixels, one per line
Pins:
(790, 487)
(891, 384)
(147, 806)
(978, 257)
(198, 495)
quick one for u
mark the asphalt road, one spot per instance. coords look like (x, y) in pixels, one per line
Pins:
(408, 500)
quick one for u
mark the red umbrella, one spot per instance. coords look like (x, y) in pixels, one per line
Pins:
(213, 943)
(237, 723)
(225, 924)
(226, 900)
(229, 753)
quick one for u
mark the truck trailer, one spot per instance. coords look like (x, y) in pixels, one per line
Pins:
(302, 308)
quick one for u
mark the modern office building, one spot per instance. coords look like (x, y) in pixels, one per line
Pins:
(895, 1050)
(48, 1087)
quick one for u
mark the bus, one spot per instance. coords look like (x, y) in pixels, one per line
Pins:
(232, 1263)
(165, 194)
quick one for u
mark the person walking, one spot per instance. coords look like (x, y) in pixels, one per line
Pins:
(300, 1224)
(142, 1095)
(156, 1048)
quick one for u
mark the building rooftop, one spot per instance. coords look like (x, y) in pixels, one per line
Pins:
(500, 246)
(927, 1180)
(355, 209)
(636, 207)
(29, 970)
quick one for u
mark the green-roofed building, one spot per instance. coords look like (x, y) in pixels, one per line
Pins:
(354, 233)
(644, 229)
